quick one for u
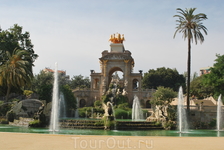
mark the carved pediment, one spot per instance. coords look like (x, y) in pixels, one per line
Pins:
(116, 57)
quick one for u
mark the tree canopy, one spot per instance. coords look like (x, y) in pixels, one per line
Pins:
(198, 88)
(165, 77)
(80, 82)
(15, 72)
(14, 39)
(16, 59)
(69, 99)
(162, 98)
(43, 86)
(216, 76)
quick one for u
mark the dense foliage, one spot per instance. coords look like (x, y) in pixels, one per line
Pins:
(162, 98)
(42, 85)
(216, 76)
(16, 59)
(200, 90)
(79, 82)
(70, 99)
(14, 39)
(165, 77)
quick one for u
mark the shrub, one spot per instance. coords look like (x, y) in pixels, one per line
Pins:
(41, 122)
(98, 104)
(105, 98)
(120, 99)
(84, 110)
(158, 123)
(99, 123)
(123, 106)
(98, 110)
(212, 123)
(35, 123)
(27, 93)
(146, 113)
(169, 125)
(88, 110)
(120, 113)
(109, 122)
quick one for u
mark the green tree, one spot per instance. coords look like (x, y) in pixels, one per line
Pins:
(13, 39)
(190, 26)
(69, 99)
(162, 98)
(15, 71)
(163, 77)
(216, 76)
(80, 82)
(198, 89)
(42, 84)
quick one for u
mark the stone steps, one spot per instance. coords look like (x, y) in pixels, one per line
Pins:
(82, 124)
(137, 125)
(99, 124)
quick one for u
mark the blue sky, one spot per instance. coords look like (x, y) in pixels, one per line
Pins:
(73, 33)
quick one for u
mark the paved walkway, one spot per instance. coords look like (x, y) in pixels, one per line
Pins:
(27, 141)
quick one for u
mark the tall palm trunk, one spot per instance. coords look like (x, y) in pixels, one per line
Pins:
(7, 94)
(188, 73)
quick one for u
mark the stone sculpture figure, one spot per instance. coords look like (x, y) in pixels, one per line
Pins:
(108, 109)
(124, 92)
(125, 83)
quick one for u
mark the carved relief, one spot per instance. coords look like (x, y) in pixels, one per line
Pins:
(116, 57)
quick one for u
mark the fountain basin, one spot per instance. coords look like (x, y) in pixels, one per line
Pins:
(169, 133)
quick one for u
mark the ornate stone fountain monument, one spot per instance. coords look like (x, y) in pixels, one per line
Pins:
(117, 59)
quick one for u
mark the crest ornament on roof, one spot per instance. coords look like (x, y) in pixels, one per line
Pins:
(116, 38)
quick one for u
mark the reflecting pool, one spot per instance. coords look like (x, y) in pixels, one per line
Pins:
(171, 133)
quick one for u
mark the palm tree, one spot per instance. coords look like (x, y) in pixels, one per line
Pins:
(16, 71)
(190, 26)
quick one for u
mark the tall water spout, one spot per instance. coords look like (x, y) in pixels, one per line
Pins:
(219, 113)
(182, 118)
(137, 113)
(55, 103)
(62, 106)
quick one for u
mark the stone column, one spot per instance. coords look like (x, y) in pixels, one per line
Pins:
(126, 69)
(104, 67)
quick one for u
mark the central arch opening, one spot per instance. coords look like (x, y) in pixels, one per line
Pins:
(116, 74)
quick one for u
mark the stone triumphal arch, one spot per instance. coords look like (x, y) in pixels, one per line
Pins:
(116, 59)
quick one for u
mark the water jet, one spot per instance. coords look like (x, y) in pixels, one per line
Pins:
(54, 121)
(181, 113)
(219, 113)
(137, 113)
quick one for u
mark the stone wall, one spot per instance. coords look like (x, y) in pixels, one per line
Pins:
(202, 117)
